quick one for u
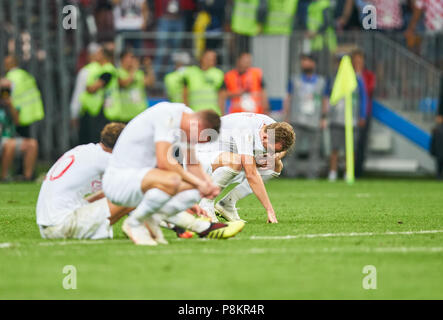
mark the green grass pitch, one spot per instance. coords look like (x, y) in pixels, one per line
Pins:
(335, 231)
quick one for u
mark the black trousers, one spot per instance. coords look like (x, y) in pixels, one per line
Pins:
(91, 127)
(362, 144)
(439, 163)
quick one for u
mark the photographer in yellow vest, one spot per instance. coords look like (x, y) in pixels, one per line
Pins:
(202, 85)
(25, 96)
(101, 102)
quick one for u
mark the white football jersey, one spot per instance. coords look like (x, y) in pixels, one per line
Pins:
(135, 147)
(239, 133)
(75, 175)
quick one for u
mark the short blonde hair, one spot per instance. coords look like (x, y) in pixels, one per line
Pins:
(284, 134)
(110, 134)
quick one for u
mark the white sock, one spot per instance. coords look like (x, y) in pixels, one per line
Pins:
(222, 177)
(180, 202)
(243, 189)
(153, 200)
(188, 221)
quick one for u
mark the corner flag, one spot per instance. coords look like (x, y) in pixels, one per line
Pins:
(344, 85)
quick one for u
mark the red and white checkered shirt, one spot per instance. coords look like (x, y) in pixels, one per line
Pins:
(389, 14)
(433, 13)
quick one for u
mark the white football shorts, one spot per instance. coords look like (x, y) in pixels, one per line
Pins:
(123, 186)
(88, 222)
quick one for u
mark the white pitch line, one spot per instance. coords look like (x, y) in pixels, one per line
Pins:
(288, 237)
(350, 234)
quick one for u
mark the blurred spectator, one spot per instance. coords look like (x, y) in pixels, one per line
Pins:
(280, 17)
(174, 81)
(11, 144)
(25, 96)
(131, 16)
(248, 16)
(202, 84)
(101, 100)
(433, 21)
(389, 13)
(210, 21)
(94, 53)
(245, 87)
(170, 28)
(366, 79)
(133, 81)
(337, 123)
(104, 20)
(346, 15)
(305, 108)
(321, 27)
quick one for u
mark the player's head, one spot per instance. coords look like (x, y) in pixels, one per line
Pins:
(205, 123)
(110, 134)
(244, 62)
(10, 62)
(95, 51)
(307, 64)
(278, 136)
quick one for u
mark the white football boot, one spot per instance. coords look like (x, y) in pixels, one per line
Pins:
(138, 234)
(152, 224)
(228, 211)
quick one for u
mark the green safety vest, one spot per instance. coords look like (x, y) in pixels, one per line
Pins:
(107, 97)
(203, 87)
(280, 17)
(174, 85)
(25, 96)
(315, 21)
(133, 98)
(244, 17)
(92, 102)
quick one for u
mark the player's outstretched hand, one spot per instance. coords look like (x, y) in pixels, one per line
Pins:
(272, 218)
(209, 190)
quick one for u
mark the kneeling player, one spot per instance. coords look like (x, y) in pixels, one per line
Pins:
(142, 173)
(249, 150)
(71, 203)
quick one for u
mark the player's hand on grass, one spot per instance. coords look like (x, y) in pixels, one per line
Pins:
(271, 217)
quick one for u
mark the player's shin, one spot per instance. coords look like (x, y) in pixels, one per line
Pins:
(188, 221)
(153, 200)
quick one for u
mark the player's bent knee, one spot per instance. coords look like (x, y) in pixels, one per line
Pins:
(278, 166)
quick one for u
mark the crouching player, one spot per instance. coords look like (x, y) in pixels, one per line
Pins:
(143, 173)
(71, 202)
(249, 151)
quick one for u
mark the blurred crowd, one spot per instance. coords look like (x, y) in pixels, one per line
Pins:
(109, 88)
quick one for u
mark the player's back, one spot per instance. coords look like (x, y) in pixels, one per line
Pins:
(135, 147)
(76, 174)
(245, 120)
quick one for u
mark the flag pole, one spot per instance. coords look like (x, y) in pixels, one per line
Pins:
(349, 132)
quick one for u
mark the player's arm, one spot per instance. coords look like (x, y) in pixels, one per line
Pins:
(258, 187)
(165, 161)
(95, 196)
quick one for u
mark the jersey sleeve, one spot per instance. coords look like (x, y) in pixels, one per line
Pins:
(164, 128)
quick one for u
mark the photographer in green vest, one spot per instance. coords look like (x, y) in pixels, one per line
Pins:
(202, 85)
(101, 102)
(320, 25)
(25, 96)
(280, 17)
(133, 81)
(174, 80)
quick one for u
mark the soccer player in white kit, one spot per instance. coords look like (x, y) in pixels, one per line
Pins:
(142, 172)
(249, 151)
(71, 203)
